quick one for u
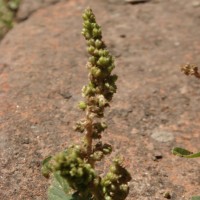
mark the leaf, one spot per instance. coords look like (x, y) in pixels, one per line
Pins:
(184, 153)
(46, 167)
(59, 189)
(196, 198)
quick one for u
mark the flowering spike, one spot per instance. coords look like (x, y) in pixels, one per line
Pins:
(76, 165)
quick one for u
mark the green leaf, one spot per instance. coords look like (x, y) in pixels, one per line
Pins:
(184, 153)
(196, 198)
(46, 167)
(59, 189)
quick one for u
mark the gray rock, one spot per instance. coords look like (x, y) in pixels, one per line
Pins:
(162, 136)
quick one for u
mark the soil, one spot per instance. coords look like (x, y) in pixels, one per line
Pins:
(42, 71)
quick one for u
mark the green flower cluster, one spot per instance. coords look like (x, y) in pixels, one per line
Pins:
(114, 184)
(81, 176)
(99, 91)
(73, 168)
(100, 150)
(97, 128)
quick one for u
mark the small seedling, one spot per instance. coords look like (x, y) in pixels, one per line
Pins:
(73, 170)
(188, 70)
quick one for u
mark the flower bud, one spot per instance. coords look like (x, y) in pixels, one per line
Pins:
(98, 155)
(91, 42)
(87, 25)
(96, 53)
(113, 188)
(103, 61)
(82, 105)
(73, 171)
(108, 198)
(88, 90)
(95, 71)
(96, 33)
(86, 34)
(102, 101)
(103, 52)
(112, 177)
(92, 60)
(84, 16)
(113, 169)
(110, 68)
(107, 150)
(87, 166)
(106, 183)
(91, 50)
(98, 43)
(80, 172)
(107, 85)
(124, 188)
(104, 189)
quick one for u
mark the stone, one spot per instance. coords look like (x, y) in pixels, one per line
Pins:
(27, 7)
(162, 136)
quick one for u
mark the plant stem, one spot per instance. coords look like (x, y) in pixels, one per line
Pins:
(97, 194)
(88, 136)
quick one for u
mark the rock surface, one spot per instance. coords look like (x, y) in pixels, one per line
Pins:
(42, 71)
(28, 7)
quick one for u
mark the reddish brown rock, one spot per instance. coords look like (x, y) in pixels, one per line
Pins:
(28, 7)
(42, 71)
